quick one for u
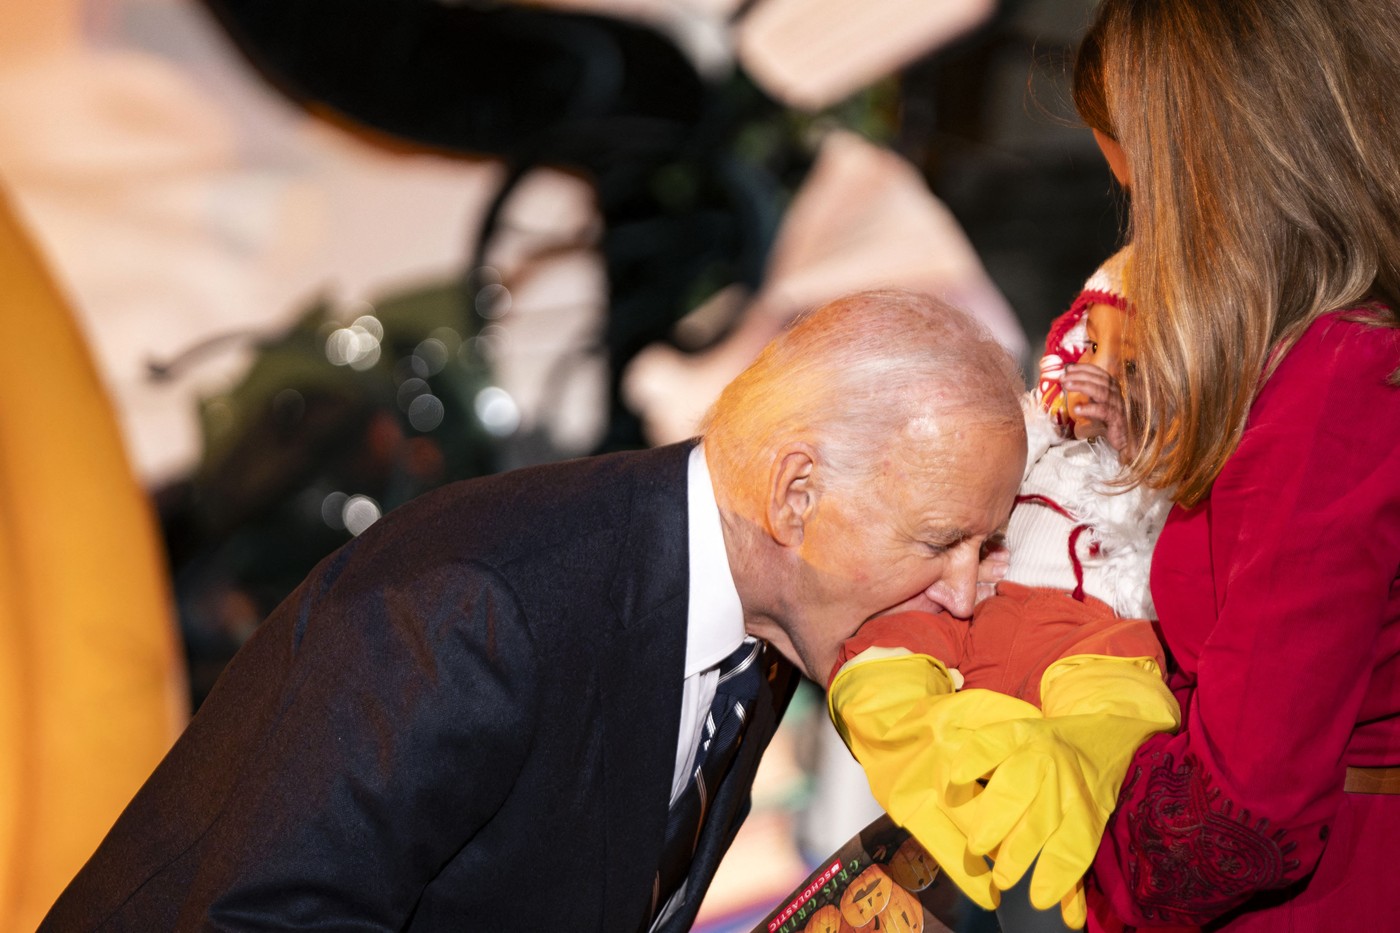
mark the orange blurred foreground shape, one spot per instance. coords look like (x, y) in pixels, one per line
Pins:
(91, 688)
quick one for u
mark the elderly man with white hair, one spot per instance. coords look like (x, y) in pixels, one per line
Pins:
(537, 700)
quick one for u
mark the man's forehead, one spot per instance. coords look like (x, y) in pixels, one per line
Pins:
(952, 442)
(977, 472)
(963, 496)
(975, 507)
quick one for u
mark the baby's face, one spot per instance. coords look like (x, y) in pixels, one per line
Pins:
(1103, 332)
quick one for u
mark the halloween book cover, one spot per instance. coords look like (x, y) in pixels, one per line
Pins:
(880, 881)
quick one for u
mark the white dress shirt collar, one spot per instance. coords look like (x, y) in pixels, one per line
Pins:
(715, 620)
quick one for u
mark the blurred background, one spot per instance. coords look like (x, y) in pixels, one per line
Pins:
(270, 268)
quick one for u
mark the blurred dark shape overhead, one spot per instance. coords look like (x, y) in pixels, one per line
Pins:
(475, 77)
(682, 214)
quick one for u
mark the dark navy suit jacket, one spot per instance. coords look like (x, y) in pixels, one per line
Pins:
(465, 719)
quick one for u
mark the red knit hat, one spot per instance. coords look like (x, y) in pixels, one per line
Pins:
(1065, 343)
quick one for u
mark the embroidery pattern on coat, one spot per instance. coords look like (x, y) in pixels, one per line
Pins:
(1192, 845)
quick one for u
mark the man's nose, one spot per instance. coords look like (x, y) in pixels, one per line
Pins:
(956, 590)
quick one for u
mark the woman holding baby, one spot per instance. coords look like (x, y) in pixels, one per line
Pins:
(1262, 150)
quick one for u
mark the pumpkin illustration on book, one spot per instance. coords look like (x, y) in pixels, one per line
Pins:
(903, 915)
(867, 896)
(827, 920)
(911, 867)
(875, 902)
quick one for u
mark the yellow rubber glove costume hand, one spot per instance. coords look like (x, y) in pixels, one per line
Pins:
(899, 715)
(1054, 780)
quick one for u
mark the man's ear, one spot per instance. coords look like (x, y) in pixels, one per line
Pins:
(792, 493)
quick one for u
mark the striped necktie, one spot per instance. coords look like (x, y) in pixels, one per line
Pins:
(740, 675)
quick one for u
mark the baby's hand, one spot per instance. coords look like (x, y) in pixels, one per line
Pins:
(991, 569)
(1098, 400)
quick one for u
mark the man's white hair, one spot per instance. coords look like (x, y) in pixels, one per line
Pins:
(855, 376)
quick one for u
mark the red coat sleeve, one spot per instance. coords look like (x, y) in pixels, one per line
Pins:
(1278, 597)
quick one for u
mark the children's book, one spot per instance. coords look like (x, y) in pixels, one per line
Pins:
(880, 881)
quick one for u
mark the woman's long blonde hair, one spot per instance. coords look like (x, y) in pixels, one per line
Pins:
(1263, 143)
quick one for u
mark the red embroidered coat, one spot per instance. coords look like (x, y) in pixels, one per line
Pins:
(1280, 600)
